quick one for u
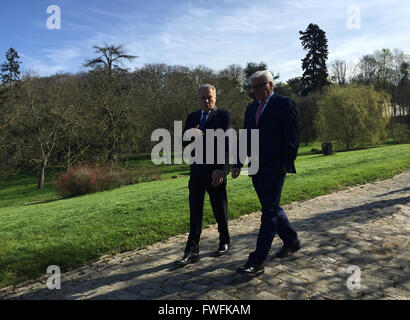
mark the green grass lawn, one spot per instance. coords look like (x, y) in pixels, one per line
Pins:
(22, 189)
(69, 232)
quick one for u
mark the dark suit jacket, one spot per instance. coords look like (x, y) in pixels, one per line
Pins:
(218, 119)
(278, 133)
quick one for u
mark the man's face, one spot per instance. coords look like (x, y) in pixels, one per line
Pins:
(207, 99)
(261, 88)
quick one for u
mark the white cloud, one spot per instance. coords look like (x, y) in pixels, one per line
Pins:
(217, 34)
(39, 67)
(63, 55)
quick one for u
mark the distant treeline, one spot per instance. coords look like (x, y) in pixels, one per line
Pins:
(108, 117)
(97, 117)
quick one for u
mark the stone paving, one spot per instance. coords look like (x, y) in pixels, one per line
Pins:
(367, 227)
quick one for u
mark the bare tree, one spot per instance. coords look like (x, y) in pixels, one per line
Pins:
(351, 71)
(367, 69)
(33, 122)
(233, 72)
(338, 71)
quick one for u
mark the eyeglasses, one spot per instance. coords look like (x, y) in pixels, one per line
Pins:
(258, 86)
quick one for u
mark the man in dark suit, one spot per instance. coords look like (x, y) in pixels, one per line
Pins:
(276, 118)
(209, 177)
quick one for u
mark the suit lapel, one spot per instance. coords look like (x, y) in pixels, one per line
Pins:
(211, 116)
(267, 109)
(198, 117)
(254, 108)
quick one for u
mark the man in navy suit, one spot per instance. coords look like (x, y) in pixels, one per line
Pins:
(276, 118)
(208, 177)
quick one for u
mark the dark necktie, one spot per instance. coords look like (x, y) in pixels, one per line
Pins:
(202, 122)
(259, 112)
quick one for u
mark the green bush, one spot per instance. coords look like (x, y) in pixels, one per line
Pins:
(400, 133)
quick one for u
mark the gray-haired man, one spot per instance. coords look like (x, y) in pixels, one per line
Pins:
(275, 117)
(207, 177)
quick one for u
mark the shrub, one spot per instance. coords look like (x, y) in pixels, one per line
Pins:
(81, 180)
(84, 179)
(400, 133)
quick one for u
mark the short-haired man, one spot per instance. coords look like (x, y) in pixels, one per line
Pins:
(276, 118)
(207, 177)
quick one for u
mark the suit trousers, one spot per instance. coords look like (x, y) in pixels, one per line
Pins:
(199, 183)
(268, 183)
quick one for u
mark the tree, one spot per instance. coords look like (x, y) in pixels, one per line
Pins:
(382, 68)
(77, 137)
(32, 125)
(338, 72)
(231, 96)
(314, 64)
(283, 88)
(402, 94)
(10, 70)
(353, 116)
(109, 58)
(111, 85)
(387, 71)
(403, 89)
(307, 112)
(234, 73)
(366, 70)
(251, 68)
(295, 85)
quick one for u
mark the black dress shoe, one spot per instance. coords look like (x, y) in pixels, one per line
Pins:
(189, 257)
(251, 269)
(288, 249)
(223, 249)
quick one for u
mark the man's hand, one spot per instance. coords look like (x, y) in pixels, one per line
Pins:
(217, 178)
(197, 128)
(236, 172)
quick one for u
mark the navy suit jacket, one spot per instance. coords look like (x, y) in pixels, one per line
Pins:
(278, 133)
(218, 119)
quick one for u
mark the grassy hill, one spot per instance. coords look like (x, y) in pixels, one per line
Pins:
(69, 232)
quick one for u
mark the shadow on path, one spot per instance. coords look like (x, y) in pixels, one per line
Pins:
(154, 281)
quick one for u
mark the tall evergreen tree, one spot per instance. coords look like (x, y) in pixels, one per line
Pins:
(314, 64)
(10, 70)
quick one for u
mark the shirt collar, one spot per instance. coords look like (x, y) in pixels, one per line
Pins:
(207, 113)
(268, 98)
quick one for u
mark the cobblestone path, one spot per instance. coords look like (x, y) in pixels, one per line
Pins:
(367, 227)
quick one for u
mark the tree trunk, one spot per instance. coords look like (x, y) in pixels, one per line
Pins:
(41, 175)
(392, 128)
(69, 156)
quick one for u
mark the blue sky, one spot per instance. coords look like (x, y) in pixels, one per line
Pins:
(194, 32)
